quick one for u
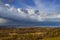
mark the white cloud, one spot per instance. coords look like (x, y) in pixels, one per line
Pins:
(47, 12)
(19, 10)
(7, 5)
(2, 20)
(58, 16)
(17, 13)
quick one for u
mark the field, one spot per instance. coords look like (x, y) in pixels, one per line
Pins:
(55, 38)
(37, 33)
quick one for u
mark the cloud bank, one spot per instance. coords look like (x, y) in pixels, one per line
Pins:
(45, 10)
(18, 13)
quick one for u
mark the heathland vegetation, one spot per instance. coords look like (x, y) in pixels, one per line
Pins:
(37, 33)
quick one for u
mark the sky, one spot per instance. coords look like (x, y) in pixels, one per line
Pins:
(11, 14)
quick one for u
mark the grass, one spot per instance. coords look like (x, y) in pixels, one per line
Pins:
(55, 38)
(29, 34)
